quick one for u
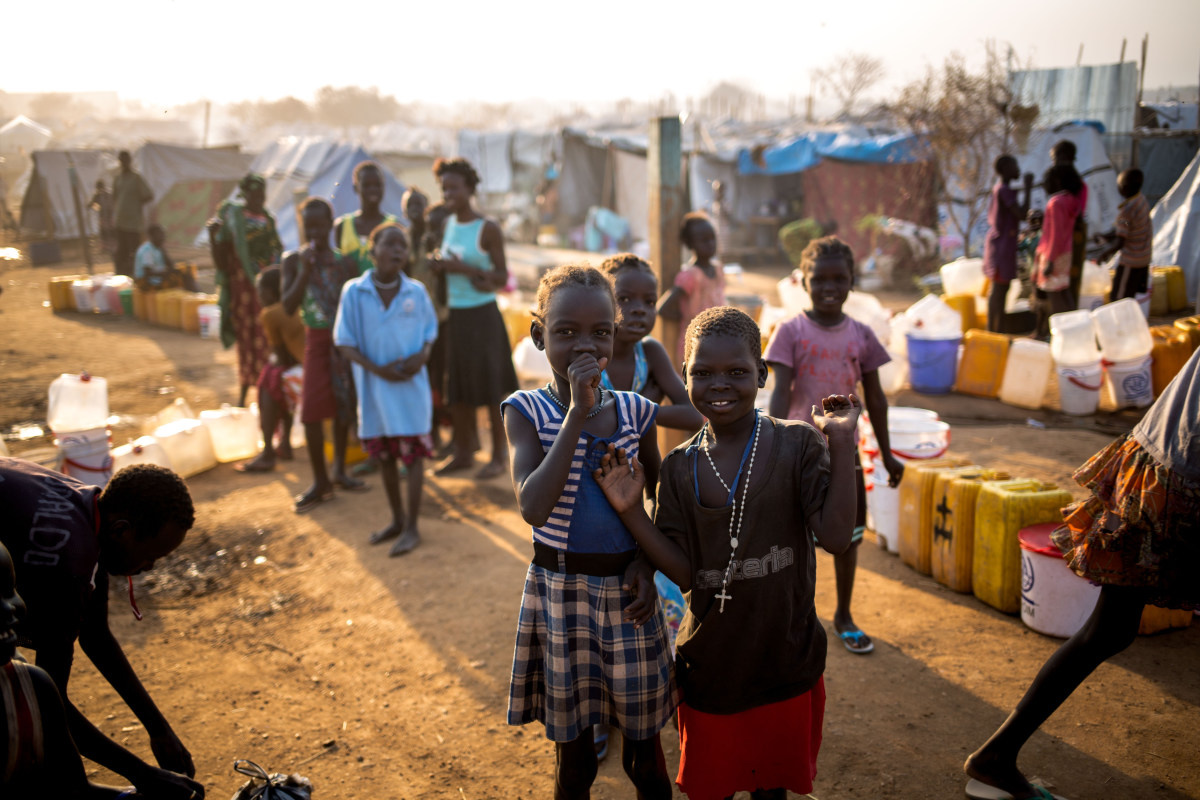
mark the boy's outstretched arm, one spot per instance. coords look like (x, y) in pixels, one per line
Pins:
(623, 480)
(680, 414)
(833, 522)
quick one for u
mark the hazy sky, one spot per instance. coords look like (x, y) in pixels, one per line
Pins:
(167, 51)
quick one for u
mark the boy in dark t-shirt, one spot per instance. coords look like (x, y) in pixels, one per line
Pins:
(65, 539)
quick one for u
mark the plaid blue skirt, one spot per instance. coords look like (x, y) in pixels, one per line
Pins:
(578, 664)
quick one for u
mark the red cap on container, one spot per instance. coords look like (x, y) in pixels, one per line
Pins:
(1036, 539)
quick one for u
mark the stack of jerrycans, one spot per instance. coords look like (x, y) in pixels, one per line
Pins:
(953, 536)
(1002, 509)
(916, 493)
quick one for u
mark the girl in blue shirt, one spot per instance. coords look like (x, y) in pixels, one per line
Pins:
(580, 658)
(385, 328)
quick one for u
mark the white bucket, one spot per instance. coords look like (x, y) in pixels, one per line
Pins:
(143, 450)
(1079, 388)
(86, 456)
(209, 315)
(916, 438)
(1054, 600)
(1130, 382)
(883, 503)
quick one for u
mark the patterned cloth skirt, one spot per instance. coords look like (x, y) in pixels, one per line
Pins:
(252, 347)
(1140, 527)
(578, 664)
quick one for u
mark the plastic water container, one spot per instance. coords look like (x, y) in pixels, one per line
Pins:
(1073, 338)
(932, 363)
(168, 305)
(897, 416)
(141, 299)
(964, 276)
(916, 515)
(952, 546)
(81, 293)
(1130, 382)
(208, 320)
(1026, 371)
(531, 363)
(1054, 600)
(112, 287)
(931, 318)
(61, 294)
(85, 455)
(1122, 330)
(866, 308)
(126, 296)
(1190, 326)
(1177, 296)
(1172, 349)
(235, 432)
(981, 368)
(914, 438)
(1001, 511)
(883, 502)
(965, 305)
(188, 446)
(189, 315)
(1159, 299)
(77, 403)
(143, 450)
(792, 294)
(1079, 388)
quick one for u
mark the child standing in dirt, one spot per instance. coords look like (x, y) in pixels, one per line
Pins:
(751, 651)
(1000, 247)
(282, 375)
(581, 659)
(701, 282)
(1138, 536)
(822, 352)
(385, 328)
(1133, 237)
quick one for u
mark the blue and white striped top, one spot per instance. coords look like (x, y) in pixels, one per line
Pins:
(583, 521)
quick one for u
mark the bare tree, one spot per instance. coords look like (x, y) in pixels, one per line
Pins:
(965, 119)
(849, 77)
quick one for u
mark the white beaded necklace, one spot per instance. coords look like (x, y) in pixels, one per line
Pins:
(736, 512)
(385, 286)
(595, 409)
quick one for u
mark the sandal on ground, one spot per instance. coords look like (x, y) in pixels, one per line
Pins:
(600, 741)
(368, 467)
(311, 499)
(978, 790)
(856, 642)
(348, 484)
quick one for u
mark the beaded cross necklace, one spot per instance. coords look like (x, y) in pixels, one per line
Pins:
(737, 512)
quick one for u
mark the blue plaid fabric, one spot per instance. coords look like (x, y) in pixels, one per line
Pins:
(578, 664)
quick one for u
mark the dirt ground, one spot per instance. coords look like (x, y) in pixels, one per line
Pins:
(290, 641)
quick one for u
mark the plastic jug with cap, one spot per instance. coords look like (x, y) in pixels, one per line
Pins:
(77, 403)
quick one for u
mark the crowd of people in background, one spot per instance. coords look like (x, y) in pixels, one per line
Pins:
(388, 330)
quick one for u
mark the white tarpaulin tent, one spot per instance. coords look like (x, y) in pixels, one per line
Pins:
(48, 206)
(296, 168)
(1091, 160)
(1176, 221)
(188, 183)
(22, 135)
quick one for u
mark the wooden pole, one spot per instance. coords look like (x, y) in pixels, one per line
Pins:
(664, 162)
(73, 176)
(1121, 60)
(1137, 109)
(207, 117)
(1079, 58)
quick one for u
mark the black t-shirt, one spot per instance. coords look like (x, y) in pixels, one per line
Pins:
(49, 528)
(767, 645)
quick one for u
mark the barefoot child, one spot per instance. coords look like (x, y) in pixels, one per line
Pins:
(580, 660)
(751, 652)
(1133, 237)
(1138, 536)
(281, 375)
(386, 327)
(701, 283)
(312, 282)
(639, 362)
(820, 352)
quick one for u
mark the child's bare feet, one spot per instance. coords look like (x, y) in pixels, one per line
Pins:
(406, 543)
(1000, 774)
(383, 534)
(284, 452)
(260, 463)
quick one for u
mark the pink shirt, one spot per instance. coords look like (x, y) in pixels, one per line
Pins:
(700, 292)
(1058, 225)
(824, 360)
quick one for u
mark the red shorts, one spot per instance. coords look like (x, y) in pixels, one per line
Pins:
(769, 747)
(405, 449)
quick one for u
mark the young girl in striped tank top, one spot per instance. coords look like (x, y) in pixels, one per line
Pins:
(591, 644)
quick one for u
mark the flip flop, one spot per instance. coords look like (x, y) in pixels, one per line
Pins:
(856, 642)
(978, 790)
(310, 500)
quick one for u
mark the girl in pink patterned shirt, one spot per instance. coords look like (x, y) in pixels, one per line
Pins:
(701, 282)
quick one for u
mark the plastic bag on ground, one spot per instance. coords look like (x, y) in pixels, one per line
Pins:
(275, 786)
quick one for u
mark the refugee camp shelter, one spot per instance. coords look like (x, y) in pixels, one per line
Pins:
(21, 135)
(188, 184)
(48, 207)
(1176, 221)
(297, 167)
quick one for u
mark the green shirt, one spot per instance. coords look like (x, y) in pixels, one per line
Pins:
(130, 193)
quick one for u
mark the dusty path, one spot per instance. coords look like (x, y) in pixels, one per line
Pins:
(288, 640)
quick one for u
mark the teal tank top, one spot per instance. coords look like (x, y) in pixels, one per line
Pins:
(462, 240)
